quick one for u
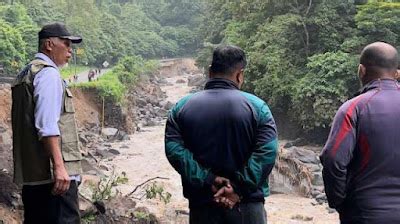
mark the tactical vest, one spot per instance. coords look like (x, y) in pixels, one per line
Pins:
(32, 163)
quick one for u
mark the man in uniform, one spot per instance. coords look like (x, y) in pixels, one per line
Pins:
(45, 141)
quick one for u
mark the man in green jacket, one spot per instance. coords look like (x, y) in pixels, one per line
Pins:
(223, 143)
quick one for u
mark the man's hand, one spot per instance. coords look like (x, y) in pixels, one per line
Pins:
(61, 180)
(226, 197)
(224, 194)
(220, 182)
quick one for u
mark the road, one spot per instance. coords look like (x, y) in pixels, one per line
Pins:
(83, 76)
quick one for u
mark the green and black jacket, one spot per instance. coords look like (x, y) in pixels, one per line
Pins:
(226, 132)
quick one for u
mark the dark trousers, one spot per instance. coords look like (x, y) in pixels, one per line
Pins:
(40, 206)
(244, 213)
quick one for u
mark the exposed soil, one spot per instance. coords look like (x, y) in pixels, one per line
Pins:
(5, 103)
(9, 196)
(87, 109)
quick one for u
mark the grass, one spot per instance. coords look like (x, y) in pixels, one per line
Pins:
(69, 71)
(108, 86)
(115, 83)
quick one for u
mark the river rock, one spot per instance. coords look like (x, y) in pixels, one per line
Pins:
(313, 167)
(141, 102)
(180, 81)
(288, 145)
(104, 154)
(168, 105)
(109, 132)
(317, 179)
(114, 151)
(321, 197)
(304, 155)
(122, 135)
(120, 206)
(104, 167)
(161, 112)
(315, 193)
(331, 210)
(83, 139)
(196, 80)
(151, 123)
(87, 166)
(86, 207)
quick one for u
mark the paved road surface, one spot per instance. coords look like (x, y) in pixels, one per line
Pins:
(83, 76)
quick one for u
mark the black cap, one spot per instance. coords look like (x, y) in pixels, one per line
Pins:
(58, 30)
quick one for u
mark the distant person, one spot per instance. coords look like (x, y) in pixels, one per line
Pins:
(45, 141)
(223, 143)
(361, 168)
(91, 75)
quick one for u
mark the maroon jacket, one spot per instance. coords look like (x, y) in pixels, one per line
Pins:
(361, 158)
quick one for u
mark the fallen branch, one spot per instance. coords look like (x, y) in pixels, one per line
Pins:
(140, 185)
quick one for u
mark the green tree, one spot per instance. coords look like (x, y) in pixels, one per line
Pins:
(330, 80)
(379, 22)
(300, 61)
(12, 48)
(16, 15)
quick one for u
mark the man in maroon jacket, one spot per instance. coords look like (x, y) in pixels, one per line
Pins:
(361, 158)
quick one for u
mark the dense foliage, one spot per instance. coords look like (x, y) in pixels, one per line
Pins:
(111, 29)
(303, 54)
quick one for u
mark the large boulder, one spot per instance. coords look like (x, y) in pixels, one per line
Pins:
(122, 136)
(9, 193)
(304, 155)
(109, 132)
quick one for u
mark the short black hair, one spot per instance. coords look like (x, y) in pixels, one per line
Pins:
(226, 59)
(377, 58)
(41, 44)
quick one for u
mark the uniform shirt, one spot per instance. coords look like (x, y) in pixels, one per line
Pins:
(48, 95)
